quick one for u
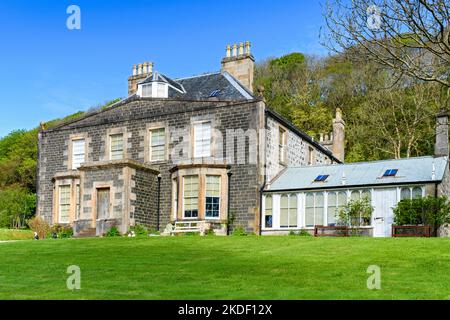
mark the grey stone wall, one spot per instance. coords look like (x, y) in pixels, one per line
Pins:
(144, 190)
(297, 150)
(444, 186)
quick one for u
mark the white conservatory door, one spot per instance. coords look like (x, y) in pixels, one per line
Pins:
(384, 201)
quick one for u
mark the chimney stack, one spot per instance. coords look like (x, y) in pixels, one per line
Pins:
(140, 72)
(240, 63)
(339, 136)
(441, 148)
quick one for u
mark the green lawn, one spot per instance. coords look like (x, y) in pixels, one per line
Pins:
(226, 268)
(7, 234)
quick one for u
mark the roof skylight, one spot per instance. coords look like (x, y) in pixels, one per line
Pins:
(390, 173)
(321, 178)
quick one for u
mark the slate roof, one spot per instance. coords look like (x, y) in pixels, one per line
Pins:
(412, 170)
(201, 87)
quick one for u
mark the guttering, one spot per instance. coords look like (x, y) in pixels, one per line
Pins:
(158, 209)
(229, 174)
(261, 191)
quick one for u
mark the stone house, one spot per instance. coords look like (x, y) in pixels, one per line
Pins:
(196, 149)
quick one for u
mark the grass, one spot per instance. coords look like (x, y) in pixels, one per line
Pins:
(226, 268)
(8, 234)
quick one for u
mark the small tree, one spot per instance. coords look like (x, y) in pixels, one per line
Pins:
(355, 213)
(17, 204)
(40, 226)
(431, 211)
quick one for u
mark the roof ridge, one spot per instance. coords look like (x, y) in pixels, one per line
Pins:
(368, 162)
(198, 76)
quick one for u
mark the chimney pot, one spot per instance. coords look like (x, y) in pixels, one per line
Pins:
(150, 67)
(134, 70)
(241, 49)
(248, 48)
(235, 47)
(228, 52)
(321, 137)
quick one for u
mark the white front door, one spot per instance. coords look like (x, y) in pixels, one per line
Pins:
(384, 201)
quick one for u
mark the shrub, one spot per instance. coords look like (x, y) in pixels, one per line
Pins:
(239, 231)
(427, 211)
(62, 232)
(355, 213)
(40, 226)
(113, 232)
(140, 230)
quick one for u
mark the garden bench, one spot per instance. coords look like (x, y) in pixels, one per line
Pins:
(187, 227)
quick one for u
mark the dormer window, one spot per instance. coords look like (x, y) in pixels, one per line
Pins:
(154, 90)
(157, 86)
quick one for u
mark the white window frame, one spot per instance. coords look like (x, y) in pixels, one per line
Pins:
(77, 164)
(289, 196)
(111, 145)
(198, 198)
(324, 218)
(282, 145)
(220, 196)
(146, 90)
(164, 144)
(264, 209)
(411, 188)
(202, 153)
(60, 219)
(336, 205)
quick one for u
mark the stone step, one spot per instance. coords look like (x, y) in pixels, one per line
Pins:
(87, 233)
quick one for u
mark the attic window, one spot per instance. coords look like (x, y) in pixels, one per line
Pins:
(214, 94)
(321, 178)
(390, 173)
(147, 90)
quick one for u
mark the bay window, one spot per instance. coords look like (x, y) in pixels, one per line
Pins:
(190, 196)
(212, 197)
(64, 204)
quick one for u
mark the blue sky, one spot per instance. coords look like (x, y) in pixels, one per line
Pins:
(48, 71)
